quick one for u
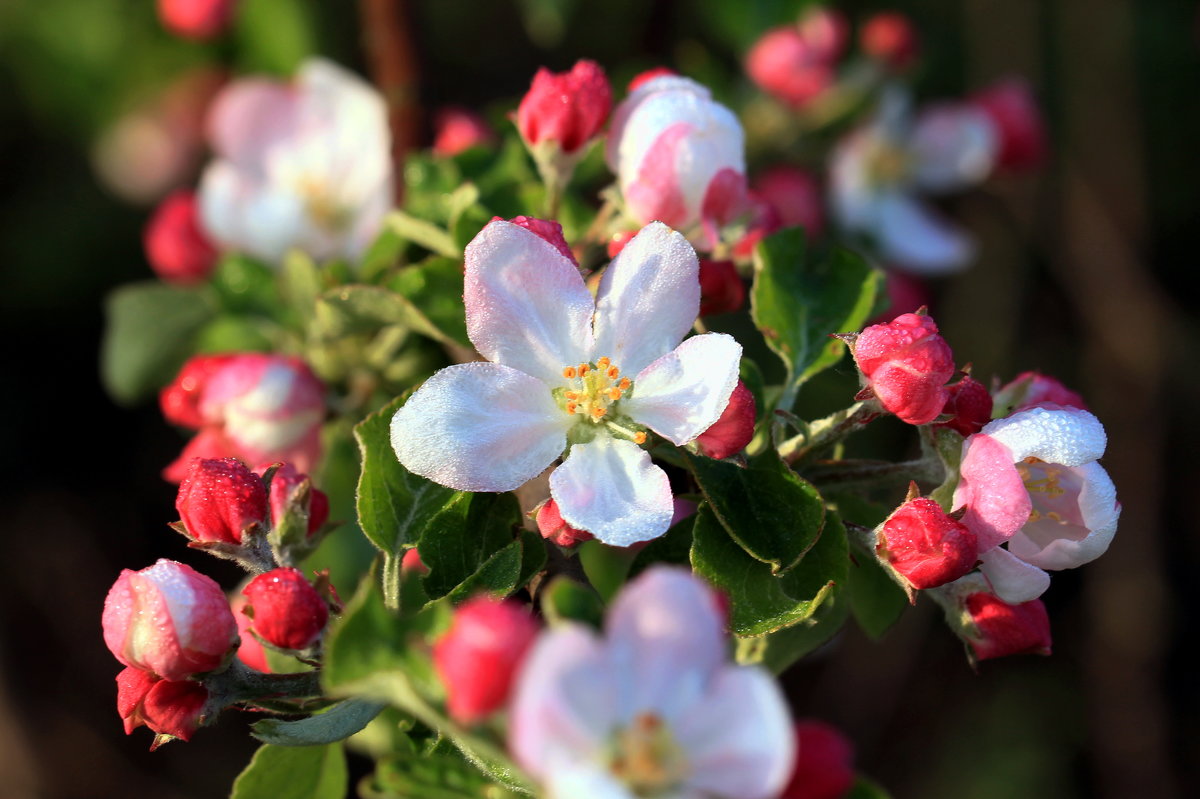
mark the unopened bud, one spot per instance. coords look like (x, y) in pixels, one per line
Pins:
(176, 247)
(411, 562)
(250, 650)
(167, 707)
(925, 546)
(287, 611)
(970, 405)
(906, 364)
(457, 130)
(890, 38)
(478, 657)
(170, 620)
(546, 229)
(568, 107)
(999, 629)
(180, 401)
(285, 484)
(196, 19)
(734, 429)
(554, 528)
(221, 501)
(1010, 105)
(721, 287)
(1035, 390)
(824, 763)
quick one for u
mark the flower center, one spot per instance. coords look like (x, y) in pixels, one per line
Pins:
(646, 757)
(887, 164)
(1053, 490)
(594, 389)
(320, 203)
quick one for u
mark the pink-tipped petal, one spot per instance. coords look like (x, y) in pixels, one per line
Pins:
(527, 306)
(479, 427)
(682, 393)
(990, 488)
(610, 488)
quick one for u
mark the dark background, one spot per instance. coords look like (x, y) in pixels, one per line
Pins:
(1086, 274)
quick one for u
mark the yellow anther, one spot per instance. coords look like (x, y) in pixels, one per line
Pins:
(571, 407)
(571, 395)
(598, 413)
(583, 369)
(613, 372)
(603, 362)
(614, 394)
(639, 438)
(569, 372)
(625, 384)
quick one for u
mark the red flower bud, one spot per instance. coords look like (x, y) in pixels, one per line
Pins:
(618, 242)
(890, 38)
(220, 499)
(284, 485)
(196, 19)
(796, 63)
(287, 611)
(731, 432)
(176, 248)
(412, 562)
(824, 763)
(1003, 629)
(250, 650)
(166, 707)
(925, 546)
(906, 363)
(553, 527)
(457, 129)
(546, 229)
(180, 401)
(168, 619)
(795, 195)
(647, 76)
(721, 287)
(1012, 109)
(970, 404)
(568, 107)
(479, 655)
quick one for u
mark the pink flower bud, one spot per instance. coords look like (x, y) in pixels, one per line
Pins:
(196, 19)
(925, 546)
(567, 107)
(647, 76)
(456, 130)
(970, 404)
(250, 650)
(220, 500)
(287, 611)
(553, 527)
(1035, 390)
(170, 620)
(176, 248)
(478, 657)
(731, 432)
(797, 63)
(546, 229)
(795, 195)
(412, 562)
(1011, 107)
(824, 763)
(284, 485)
(166, 707)
(180, 401)
(618, 242)
(1002, 629)
(906, 363)
(721, 287)
(890, 38)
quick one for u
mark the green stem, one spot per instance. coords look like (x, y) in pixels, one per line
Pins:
(824, 432)
(857, 473)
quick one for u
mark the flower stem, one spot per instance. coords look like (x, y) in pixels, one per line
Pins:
(824, 432)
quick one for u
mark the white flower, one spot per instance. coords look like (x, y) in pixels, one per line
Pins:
(678, 155)
(567, 369)
(305, 165)
(653, 708)
(878, 173)
(1032, 481)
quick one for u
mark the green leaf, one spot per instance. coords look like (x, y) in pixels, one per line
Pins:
(429, 775)
(779, 650)
(425, 234)
(300, 284)
(469, 547)
(566, 600)
(760, 601)
(338, 722)
(773, 514)
(149, 334)
(246, 285)
(434, 290)
(867, 789)
(353, 309)
(291, 772)
(797, 302)
(875, 599)
(394, 505)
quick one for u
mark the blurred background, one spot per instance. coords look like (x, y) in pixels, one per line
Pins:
(1085, 273)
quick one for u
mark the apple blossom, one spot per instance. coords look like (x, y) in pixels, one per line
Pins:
(652, 707)
(176, 248)
(678, 156)
(170, 620)
(879, 172)
(924, 546)
(906, 364)
(479, 656)
(567, 370)
(303, 165)
(220, 500)
(824, 763)
(287, 611)
(256, 407)
(1031, 481)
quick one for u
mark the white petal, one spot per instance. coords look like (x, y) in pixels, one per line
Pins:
(649, 298)
(681, 394)
(1100, 511)
(1070, 436)
(917, 240)
(666, 637)
(480, 427)
(954, 146)
(592, 782)
(610, 488)
(563, 709)
(1013, 580)
(246, 213)
(852, 194)
(527, 306)
(739, 740)
(250, 116)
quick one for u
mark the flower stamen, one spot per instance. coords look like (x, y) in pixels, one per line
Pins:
(594, 389)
